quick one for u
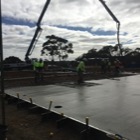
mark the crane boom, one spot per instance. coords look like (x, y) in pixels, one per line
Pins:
(110, 12)
(37, 31)
(117, 21)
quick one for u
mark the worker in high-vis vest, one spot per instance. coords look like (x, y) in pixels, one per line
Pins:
(35, 65)
(35, 69)
(41, 69)
(38, 67)
(41, 65)
(80, 70)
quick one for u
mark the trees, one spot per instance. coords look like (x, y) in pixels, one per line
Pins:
(135, 52)
(126, 51)
(106, 51)
(56, 46)
(91, 53)
(12, 59)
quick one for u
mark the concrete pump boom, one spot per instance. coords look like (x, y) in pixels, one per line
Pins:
(117, 21)
(37, 32)
(38, 29)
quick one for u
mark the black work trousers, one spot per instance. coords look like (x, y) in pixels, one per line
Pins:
(80, 76)
(39, 75)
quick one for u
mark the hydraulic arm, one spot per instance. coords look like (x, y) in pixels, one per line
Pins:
(38, 29)
(117, 22)
(37, 32)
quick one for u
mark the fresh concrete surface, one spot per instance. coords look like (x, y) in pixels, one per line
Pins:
(111, 104)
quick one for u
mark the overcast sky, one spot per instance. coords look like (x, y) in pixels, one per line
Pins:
(85, 23)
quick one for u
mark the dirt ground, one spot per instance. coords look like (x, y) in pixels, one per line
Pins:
(23, 125)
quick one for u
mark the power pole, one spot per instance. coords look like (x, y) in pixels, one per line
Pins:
(2, 72)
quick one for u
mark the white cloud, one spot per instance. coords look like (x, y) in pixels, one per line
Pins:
(82, 13)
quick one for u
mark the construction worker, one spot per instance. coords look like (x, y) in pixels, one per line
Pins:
(117, 66)
(35, 64)
(108, 63)
(36, 69)
(41, 64)
(40, 69)
(103, 66)
(80, 70)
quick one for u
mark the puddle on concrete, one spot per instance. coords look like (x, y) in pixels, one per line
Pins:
(75, 85)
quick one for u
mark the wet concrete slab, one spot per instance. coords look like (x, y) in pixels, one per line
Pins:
(111, 104)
